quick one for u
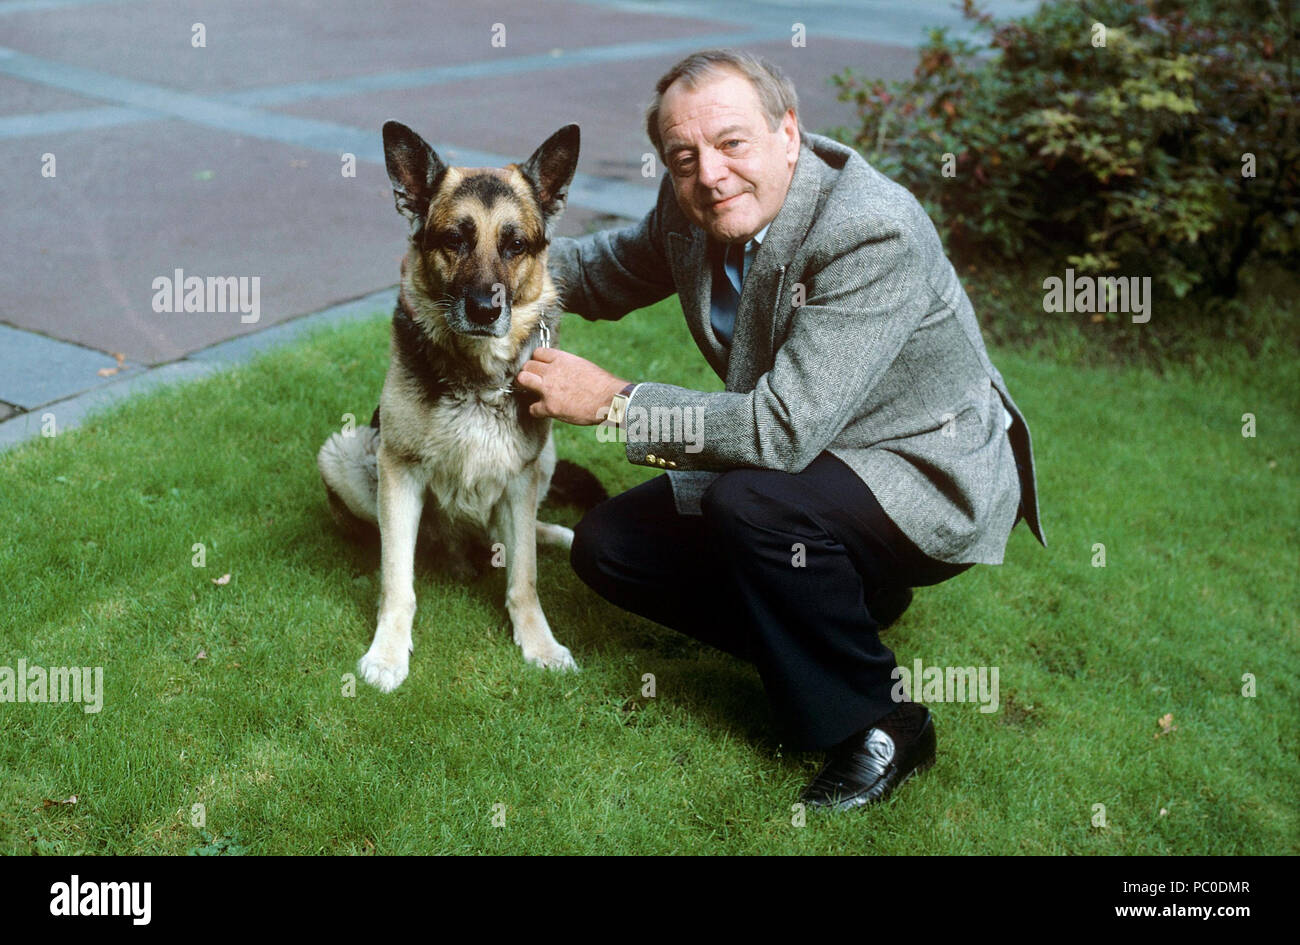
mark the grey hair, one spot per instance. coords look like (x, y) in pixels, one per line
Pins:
(775, 91)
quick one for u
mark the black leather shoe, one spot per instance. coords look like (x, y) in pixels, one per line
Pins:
(867, 767)
(888, 604)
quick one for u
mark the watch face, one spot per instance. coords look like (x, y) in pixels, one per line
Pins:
(617, 409)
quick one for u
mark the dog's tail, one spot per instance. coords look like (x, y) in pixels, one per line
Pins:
(349, 464)
(573, 485)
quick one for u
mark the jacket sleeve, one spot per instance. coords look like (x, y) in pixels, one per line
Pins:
(866, 294)
(607, 274)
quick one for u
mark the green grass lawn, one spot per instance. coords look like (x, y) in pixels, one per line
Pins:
(233, 695)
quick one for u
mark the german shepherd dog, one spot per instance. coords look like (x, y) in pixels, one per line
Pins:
(453, 453)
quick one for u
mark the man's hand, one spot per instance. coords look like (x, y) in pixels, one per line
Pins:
(569, 388)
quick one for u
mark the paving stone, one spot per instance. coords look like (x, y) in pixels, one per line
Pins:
(19, 98)
(38, 370)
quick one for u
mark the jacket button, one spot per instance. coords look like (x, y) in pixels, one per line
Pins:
(650, 458)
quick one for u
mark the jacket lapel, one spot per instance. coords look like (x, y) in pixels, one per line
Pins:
(694, 277)
(765, 290)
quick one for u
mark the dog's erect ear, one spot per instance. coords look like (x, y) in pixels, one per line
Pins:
(550, 170)
(414, 169)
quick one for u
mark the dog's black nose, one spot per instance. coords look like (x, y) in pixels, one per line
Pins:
(480, 310)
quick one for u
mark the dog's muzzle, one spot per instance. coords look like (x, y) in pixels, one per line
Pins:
(476, 315)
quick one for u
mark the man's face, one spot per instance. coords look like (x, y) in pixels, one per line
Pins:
(730, 172)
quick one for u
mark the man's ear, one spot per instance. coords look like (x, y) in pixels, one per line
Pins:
(790, 125)
(414, 169)
(550, 171)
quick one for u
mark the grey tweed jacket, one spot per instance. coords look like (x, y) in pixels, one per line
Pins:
(853, 335)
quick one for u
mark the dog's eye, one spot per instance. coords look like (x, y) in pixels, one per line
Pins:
(451, 242)
(515, 246)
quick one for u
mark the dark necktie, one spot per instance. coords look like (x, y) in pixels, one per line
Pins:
(726, 296)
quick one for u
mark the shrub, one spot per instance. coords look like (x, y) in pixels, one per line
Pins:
(1132, 156)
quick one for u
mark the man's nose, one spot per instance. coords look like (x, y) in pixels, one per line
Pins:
(713, 167)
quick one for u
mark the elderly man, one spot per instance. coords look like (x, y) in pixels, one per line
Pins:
(864, 444)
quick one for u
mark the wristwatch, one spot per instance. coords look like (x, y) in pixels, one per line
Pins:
(618, 406)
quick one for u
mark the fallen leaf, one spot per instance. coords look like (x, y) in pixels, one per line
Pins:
(1166, 723)
(49, 802)
(107, 371)
(202, 654)
(224, 579)
(1163, 812)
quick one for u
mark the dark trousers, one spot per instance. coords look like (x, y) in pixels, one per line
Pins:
(736, 578)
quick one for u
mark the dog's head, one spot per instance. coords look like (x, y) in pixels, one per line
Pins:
(479, 234)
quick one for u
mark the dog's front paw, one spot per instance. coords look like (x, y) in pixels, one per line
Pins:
(385, 668)
(553, 656)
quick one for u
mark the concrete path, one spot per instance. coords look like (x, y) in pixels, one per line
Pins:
(146, 137)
